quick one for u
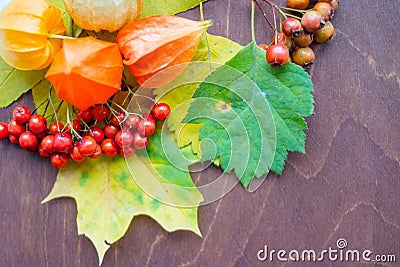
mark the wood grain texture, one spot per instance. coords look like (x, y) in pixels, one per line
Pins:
(346, 186)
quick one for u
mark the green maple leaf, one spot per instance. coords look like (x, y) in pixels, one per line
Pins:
(257, 114)
(168, 7)
(108, 197)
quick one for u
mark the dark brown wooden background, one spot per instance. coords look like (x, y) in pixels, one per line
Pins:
(347, 186)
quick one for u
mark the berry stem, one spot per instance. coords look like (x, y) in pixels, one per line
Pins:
(253, 35)
(52, 106)
(264, 15)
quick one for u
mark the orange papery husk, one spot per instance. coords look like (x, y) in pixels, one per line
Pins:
(86, 71)
(152, 44)
(27, 31)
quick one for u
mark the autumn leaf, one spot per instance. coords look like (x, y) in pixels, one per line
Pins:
(108, 197)
(168, 7)
(246, 115)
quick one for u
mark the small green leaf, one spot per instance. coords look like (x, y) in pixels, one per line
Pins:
(248, 103)
(108, 197)
(168, 7)
(15, 82)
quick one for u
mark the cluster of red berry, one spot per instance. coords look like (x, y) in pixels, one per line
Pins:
(95, 131)
(297, 34)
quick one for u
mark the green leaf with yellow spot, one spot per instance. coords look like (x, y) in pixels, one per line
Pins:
(108, 196)
(252, 113)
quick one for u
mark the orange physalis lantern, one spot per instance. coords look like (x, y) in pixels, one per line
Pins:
(86, 71)
(26, 30)
(152, 44)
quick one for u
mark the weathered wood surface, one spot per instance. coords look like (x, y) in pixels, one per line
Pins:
(346, 186)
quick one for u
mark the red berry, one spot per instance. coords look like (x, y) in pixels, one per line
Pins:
(304, 39)
(132, 121)
(16, 129)
(37, 123)
(42, 134)
(283, 39)
(47, 143)
(139, 141)
(96, 153)
(43, 152)
(87, 145)
(62, 142)
(85, 115)
(127, 152)
(76, 155)
(76, 125)
(124, 138)
(3, 130)
(110, 130)
(100, 112)
(55, 127)
(59, 160)
(312, 21)
(97, 134)
(147, 126)
(13, 139)
(277, 55)
(28, 141)
(161, 111)
(291, 27)
(109, 147)
(325, 9)
(21, 114)
(118, 118)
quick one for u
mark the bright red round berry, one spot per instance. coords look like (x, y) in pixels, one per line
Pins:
(43, 152)
(139, 141)
(59, 160)
(277, 55)
(96, 153)
(97, 134)
(62, 142)
(76, 125)
(110, 130)
(21, 114)
(37, 123)
(161, 111)
(147, 126)
(84, 115)
(100, 112)
(16, 129)
(55, 127)
(87, 145)
(13, 139)
(124, 138)
(47, 143)
(3, 130)
(118, 118)
(28, 141)
(109, 147)
(132, 121)
(76, 155)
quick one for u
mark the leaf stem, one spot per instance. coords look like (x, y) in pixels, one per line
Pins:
(253, 35)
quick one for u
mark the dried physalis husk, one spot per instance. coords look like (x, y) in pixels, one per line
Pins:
(86, 71)
(103, 14)
(28, 32)
(155, 43)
